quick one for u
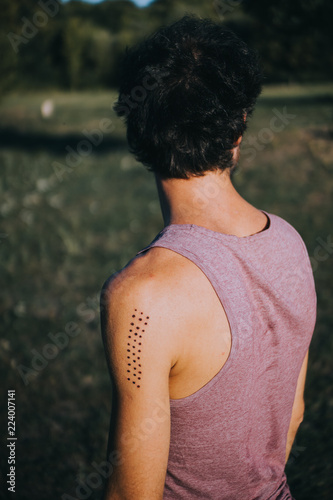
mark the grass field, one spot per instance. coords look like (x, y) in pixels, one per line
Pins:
(67, 224)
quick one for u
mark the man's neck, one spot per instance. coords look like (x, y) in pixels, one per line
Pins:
(210, 201)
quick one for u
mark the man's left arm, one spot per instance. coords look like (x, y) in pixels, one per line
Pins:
(140, 354)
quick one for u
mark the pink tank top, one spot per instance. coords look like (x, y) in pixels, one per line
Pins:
(228, 439)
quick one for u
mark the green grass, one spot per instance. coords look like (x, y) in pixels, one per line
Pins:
(60, 238)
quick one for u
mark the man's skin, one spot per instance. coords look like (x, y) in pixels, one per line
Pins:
(185, 336)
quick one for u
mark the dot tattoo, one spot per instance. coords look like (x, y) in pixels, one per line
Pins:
(137, 324)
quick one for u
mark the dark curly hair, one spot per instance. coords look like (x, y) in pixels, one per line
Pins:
(185, 92)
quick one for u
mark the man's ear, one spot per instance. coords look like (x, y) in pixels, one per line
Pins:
(239, 140)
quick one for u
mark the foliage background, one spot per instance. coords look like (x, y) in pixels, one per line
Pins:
(80, 47)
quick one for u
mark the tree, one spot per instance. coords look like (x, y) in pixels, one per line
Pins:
(294, 38)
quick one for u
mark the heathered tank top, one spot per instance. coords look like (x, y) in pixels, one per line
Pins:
(228, 439)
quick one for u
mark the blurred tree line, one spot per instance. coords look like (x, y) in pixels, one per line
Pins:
(47, 44)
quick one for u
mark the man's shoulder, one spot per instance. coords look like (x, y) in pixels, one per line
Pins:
(150, 285)
(154, 277)
(286, 227)
(288, 234)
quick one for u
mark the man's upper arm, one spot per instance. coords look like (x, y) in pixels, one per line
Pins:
(136, 332)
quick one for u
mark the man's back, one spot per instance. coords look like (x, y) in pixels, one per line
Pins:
(206, 338)
(234, 307)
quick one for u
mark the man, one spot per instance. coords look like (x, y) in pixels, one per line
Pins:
(207, 329)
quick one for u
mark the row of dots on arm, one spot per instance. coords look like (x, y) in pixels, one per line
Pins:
(136, 332)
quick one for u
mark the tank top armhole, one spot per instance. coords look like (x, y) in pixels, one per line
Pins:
(228, 312)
